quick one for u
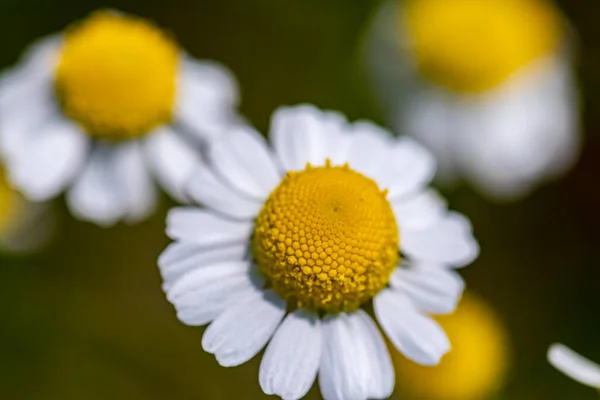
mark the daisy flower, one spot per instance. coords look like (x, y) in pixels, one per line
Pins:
(296, 239)
(476, 367)
(575, 366)
(487, 86)
(104, 108)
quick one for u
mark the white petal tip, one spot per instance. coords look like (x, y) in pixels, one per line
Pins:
(575, 366)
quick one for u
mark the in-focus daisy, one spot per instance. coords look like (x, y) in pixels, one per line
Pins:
(488, 86)
(476, 367)
(575, 366)
(101, 109)
(295, 239)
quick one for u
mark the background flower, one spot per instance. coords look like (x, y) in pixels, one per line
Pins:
(105, 107)
(488, 86)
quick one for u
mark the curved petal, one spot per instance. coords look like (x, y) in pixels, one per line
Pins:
(409, 167)
(207, 95)
(416, 336)
(448, 241)
(575, 366)
(203, 294)
(204, 187)
(433, 288)
(290, 363)
(97, 194)
(244, 160)
(180, 258)
(304, 134)
(138, 190)
(355, 363)
(420, 210)
(172, 160)
(205, 228)
(27, 99)
(242, 330)
(49, 162)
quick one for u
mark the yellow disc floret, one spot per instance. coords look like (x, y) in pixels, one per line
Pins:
(326, 239)
(475, 45)
(116, 75)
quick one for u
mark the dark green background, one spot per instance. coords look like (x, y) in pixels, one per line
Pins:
(86, 319)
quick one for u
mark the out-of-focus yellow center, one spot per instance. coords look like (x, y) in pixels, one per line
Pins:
(326, 238)
(475, 45)
(116, 75)
(475, 367)
(10, 204)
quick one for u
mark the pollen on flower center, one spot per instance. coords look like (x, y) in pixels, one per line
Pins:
(116, 75)
(327, 238)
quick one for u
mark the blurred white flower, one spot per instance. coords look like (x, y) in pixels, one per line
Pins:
(488, 86)
(101, 109)
(333, 216)
(575, 366)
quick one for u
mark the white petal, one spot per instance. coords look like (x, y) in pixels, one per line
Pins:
(204, 187)
(42, 56)
(355, 364)
(379, 372)
(575, 366)
(49, 161)
(205, 228)
(244, 160)
(409, 167)
(290, 363)
(207, 96)
(420, 210)
(138, 190)
(433, 288)
(97, 195)
(367, 145)
(304, 134)
(242, 330)
(448, 241)
(201, 295)
(180, 258)
(416, 336)
(172, 158)
(27, 99)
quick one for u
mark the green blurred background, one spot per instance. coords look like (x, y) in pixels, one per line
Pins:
(86, 318)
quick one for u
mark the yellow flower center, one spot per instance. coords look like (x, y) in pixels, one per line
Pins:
(11, 204)
(116, 75)
(326, 238)
(475, 45)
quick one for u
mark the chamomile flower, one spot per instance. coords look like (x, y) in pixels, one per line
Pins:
(575, 366)
(487, 86)
(476, 367)
(295, 239)
(101, 109)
